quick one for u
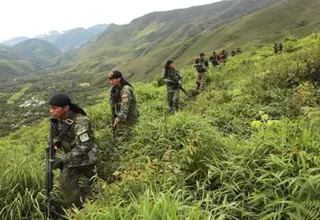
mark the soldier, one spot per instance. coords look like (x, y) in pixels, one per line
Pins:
(173, 80)
(123, 104)
(280, 47)
(201, 67)
(238, 51)
(74, 138)
(223, 56)
(276, 48)
(214, 59)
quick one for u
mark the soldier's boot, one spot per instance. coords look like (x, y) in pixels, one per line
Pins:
(171, 106)
(172, 111)
(176, 105)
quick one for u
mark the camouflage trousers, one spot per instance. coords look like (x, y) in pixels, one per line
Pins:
(76, 184)
(124, 130)
(173, 98)
(201, 80)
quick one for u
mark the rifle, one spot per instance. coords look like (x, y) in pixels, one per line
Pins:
(183, 90)
(113, 110)
(50, 154)
(179, 86)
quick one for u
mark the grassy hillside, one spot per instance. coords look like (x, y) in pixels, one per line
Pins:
(141, 47)
(38, 51)
(10, 69)
(295, 17)
(246, 148)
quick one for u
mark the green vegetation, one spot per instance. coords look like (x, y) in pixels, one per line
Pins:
(15, 68)
(246, 148)
(182, 34)
(16, 96)
(38, 51)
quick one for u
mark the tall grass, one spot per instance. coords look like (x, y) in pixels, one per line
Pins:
(246, 148)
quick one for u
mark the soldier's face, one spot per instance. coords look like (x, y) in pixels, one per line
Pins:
(172, 65)
(114, 82)
(58, 112)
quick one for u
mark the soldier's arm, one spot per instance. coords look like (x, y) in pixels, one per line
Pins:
(126, 97)
(84, 139)
(196, 62)
(179, 75)
(164, 73)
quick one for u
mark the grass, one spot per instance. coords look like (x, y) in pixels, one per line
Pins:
(240, 150)
(137, 49)
(16, 96)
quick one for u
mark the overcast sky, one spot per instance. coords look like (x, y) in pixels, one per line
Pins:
(34, 17)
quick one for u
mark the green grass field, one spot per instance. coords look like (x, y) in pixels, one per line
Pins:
(246, 148)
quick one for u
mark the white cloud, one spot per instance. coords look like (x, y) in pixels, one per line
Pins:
(35, 17)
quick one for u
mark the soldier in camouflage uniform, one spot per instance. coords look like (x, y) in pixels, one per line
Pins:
(123, 103)
(276, 48)
(75, 140)
(201, 66)
(173, 80)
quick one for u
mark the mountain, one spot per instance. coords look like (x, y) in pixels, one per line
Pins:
(14, 41)
(73, 38)
(65, 40)
(52, 36)
(77, 37)
(38, 51)
(97, 29)
(142, 47)
(13, 64)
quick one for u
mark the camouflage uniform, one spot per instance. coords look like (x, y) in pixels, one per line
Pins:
(79, 154)
(276, 48)
(201, 73)
(123, 100)
(172, 79)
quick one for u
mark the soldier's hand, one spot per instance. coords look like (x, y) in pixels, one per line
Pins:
(115, 123)
(57, 164)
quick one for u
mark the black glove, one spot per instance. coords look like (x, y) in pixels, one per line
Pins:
(57, 164)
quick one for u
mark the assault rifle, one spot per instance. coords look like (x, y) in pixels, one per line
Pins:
(114, 116)
(179, 86)
(50, 155)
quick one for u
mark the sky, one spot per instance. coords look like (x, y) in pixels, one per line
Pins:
(35, 17)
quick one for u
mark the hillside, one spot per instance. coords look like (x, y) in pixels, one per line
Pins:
(246, 148)
(141, 47)
(16, 68)
(284, 20)
(13, 64)
(73, 38)
(38, 51)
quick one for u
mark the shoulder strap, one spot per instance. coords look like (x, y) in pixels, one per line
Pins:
(66, 124)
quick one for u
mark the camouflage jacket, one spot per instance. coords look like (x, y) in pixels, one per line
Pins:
(77, 142)
(201, 65)
(123, 100)
(172, 77)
